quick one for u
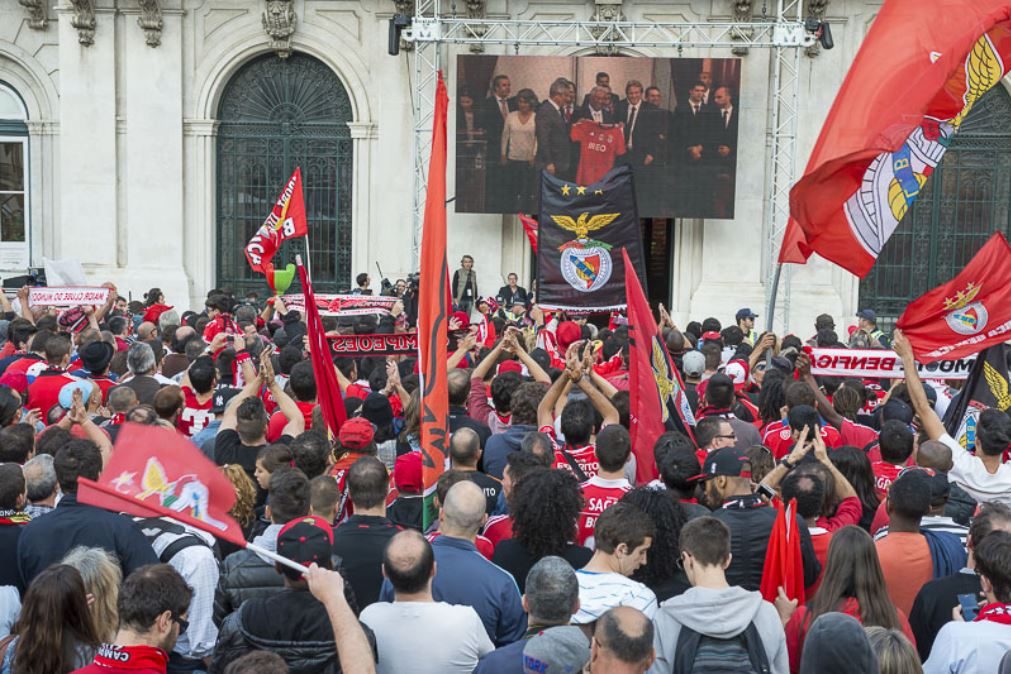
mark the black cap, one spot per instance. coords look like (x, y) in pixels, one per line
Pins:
(306, 540)
(377, 409)
(96, 356)
(728, 461)
(896, 409)
(221, 397)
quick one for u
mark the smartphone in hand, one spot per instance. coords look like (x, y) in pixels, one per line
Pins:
(970, 606)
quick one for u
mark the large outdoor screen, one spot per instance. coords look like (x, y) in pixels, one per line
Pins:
(674, 121)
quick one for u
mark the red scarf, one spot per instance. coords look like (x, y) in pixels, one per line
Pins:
(13, 518)
(996, 613)
(131, 657)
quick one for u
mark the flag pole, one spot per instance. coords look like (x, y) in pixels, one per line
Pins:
(771, 310)
(308, 262)
(269, 554)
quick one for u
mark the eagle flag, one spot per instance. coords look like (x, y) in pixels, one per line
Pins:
(987, 386)
(581, 231)
(968, 313)
(922, 67)
(285, 221)
(433, 313)
(657, 395)
(154, 472)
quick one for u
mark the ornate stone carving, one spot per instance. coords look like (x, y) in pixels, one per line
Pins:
(476, 10)
(150, 21)
(279, 24)
(606, 12)
(404, 7)
(38, 13)
(84, 21)
(816, 9)
(743, 13)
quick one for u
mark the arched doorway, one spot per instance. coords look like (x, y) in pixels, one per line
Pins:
(967, 199)
(276, 114)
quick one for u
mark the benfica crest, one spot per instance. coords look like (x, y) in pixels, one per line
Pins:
(966, 315)
(585, 263)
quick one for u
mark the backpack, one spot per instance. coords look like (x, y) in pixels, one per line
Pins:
(154, 527)
(700, 654)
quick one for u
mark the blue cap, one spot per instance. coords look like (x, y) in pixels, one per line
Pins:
(868, 315)
(67, 392)
(745, 313)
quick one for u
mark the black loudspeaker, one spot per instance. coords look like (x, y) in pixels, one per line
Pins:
(36, 276)
(397, 24)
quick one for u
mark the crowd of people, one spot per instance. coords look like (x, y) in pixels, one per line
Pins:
(541, 551)
(506, 138)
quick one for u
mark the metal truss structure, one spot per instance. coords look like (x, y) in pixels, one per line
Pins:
(784, 33)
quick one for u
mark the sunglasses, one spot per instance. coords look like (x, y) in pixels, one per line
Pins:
(183, 624)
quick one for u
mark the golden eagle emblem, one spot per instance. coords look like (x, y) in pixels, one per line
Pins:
(662, 374)
(582, 226)
(998, 384)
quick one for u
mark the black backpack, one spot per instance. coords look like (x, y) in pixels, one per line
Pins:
(700, 654)
(153, 527)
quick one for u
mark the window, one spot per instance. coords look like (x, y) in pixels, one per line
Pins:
(13, 180)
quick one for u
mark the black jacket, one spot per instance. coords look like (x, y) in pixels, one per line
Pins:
(292, 624)
(244, 576)
(932, 607)
(359, 543)
(553, 144)
(514, 557)
(9, 534)
(407, 512)
(46, 540)
(750, 527)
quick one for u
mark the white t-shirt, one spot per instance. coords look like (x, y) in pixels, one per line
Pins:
(969, 473)
(422, 637)
(968, 648)
(599, 592)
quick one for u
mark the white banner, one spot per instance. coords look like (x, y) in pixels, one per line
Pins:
(881, 364)
(67, 296)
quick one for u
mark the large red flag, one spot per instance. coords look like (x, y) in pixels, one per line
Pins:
(433, 309)
(967, 314)
(784, 564)
(530, 226)
(919, 71)
(328, 389)
(155, 472)
(286, 221)
(658, 402)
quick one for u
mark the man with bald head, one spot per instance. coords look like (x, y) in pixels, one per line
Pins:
(622, 642)
(176, 361)
(416, 633)
(464, 576)
(937, 455)
(458, 383)
(465, 454)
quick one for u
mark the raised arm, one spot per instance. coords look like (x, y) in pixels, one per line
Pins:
(800, 450)
(535, 370)
(843, 488)
(230, 420)
(296, 422)
(393, 384)
(463, 348)
(546, 409)
(103, 310)
(826, 409)
(928, 417)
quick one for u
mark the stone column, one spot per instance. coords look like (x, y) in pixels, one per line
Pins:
(200, 221)
(368, 242)
(43, 180)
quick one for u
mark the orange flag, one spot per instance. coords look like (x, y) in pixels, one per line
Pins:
(433, 310)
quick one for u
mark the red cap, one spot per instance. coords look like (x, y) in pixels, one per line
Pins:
(510, 366)
(407, 473)
(711, 335)
(356, 433)
(568, 332)
(463, 318)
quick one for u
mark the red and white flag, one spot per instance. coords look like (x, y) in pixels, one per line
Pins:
(967, 314)
(530, 229)
(286, 221)
(784, 563)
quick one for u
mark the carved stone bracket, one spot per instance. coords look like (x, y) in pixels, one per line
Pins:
(38, 13)
(84, 21)
(279, 24)
(150, 21)
(476, 10)
(606, 10)
(743, 13)
(816, 9)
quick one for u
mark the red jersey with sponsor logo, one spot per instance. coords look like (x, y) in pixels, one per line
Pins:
(884, 474)
(778, 438)
(278, 421)
(598, 147)
(498, 528)
(112, 659)
(598, 495)
(585, 457)
(195, 415)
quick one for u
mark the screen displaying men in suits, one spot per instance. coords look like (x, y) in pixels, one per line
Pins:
(674, 121)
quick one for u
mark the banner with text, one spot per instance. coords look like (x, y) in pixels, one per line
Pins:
(401, 344)
(343, 305)
(67, 296)
(880, 364)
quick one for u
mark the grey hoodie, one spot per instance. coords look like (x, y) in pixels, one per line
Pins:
(721, 614)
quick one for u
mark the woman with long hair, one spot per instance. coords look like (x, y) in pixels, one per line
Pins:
(102, 577)
(55, 633)
(545, 507)
(852, 583)
(154, 296)
(660, 573)
(895, 654)
(853, 463)
(772, 397)
(244, 510)
(410, 435)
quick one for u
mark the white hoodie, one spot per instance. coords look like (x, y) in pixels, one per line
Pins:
(721, 614)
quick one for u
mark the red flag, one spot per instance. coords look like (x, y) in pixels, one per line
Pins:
(658, 402)
(919, 71)
(433, 309)
(331, 402)
(784, 565)
(155, 472)
(286, 221)
(530, 228)
(967, 314)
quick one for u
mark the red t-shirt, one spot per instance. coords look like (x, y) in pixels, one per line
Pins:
(195, 415)
(278, 421)
(44, 392)
(585, 457)
(778, 438)
(483, 545)
(857, 435)
(598, 146)
(598, 495)
(820, 538)
(112, 659)
(30, 366)
(884, 474)
(498, 528)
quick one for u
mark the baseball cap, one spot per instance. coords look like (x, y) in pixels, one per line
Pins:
(896, 409)
(728, 461)
(67, 392)
(824, 321)
(710, 336)
(868, 315)
(356, 433)
(222, 395)
(407, 473)
(737, 370)
(745, 313)
(510, 366)
(557, 650)
(96, 356)
(306, 540)
(567, 333)
(694, 364)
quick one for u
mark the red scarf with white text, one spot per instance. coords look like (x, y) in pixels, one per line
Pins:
(995, 613)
